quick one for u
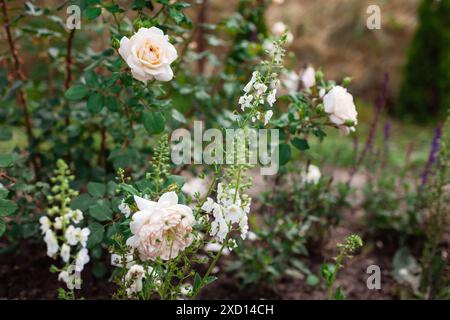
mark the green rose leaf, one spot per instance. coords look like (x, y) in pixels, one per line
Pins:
(95, 102)
(92, 13)
(76, 92)
(300, 144)
(285, 154)
(154, 122)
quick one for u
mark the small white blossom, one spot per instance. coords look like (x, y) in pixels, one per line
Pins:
(117, 261)
(134, 278)
(52, 243)
(260, 88)
(249, 85)
(245, 101)
(77, 216)
(84, 236)
(65, 252)
(58, 224)
(312, 175)
(186, 289)
(268, 115)
(272, 97)
(45, 224)
(124, 208)
(82, 259)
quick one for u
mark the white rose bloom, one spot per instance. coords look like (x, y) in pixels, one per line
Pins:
(312, 175)
(134, 278)
(338, 103)
(65, 252)
(45, 224)
(52, 243)
(82, 259)
(308, 77)
(149, 54)
(161, 229)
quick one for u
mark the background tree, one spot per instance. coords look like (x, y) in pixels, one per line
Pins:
(425, 93)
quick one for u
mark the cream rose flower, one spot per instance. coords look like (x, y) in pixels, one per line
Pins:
(161, 229)
(338, 103)
(149, 54)
(308, 77)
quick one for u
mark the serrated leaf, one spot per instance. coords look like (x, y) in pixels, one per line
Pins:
(76, 92)
(95, 102)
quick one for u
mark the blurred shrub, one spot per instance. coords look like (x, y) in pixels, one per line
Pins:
(425, 93)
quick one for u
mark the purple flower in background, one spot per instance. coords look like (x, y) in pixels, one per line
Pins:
(435, 144)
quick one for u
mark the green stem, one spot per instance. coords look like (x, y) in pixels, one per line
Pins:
(333, 277)
(211, 267)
